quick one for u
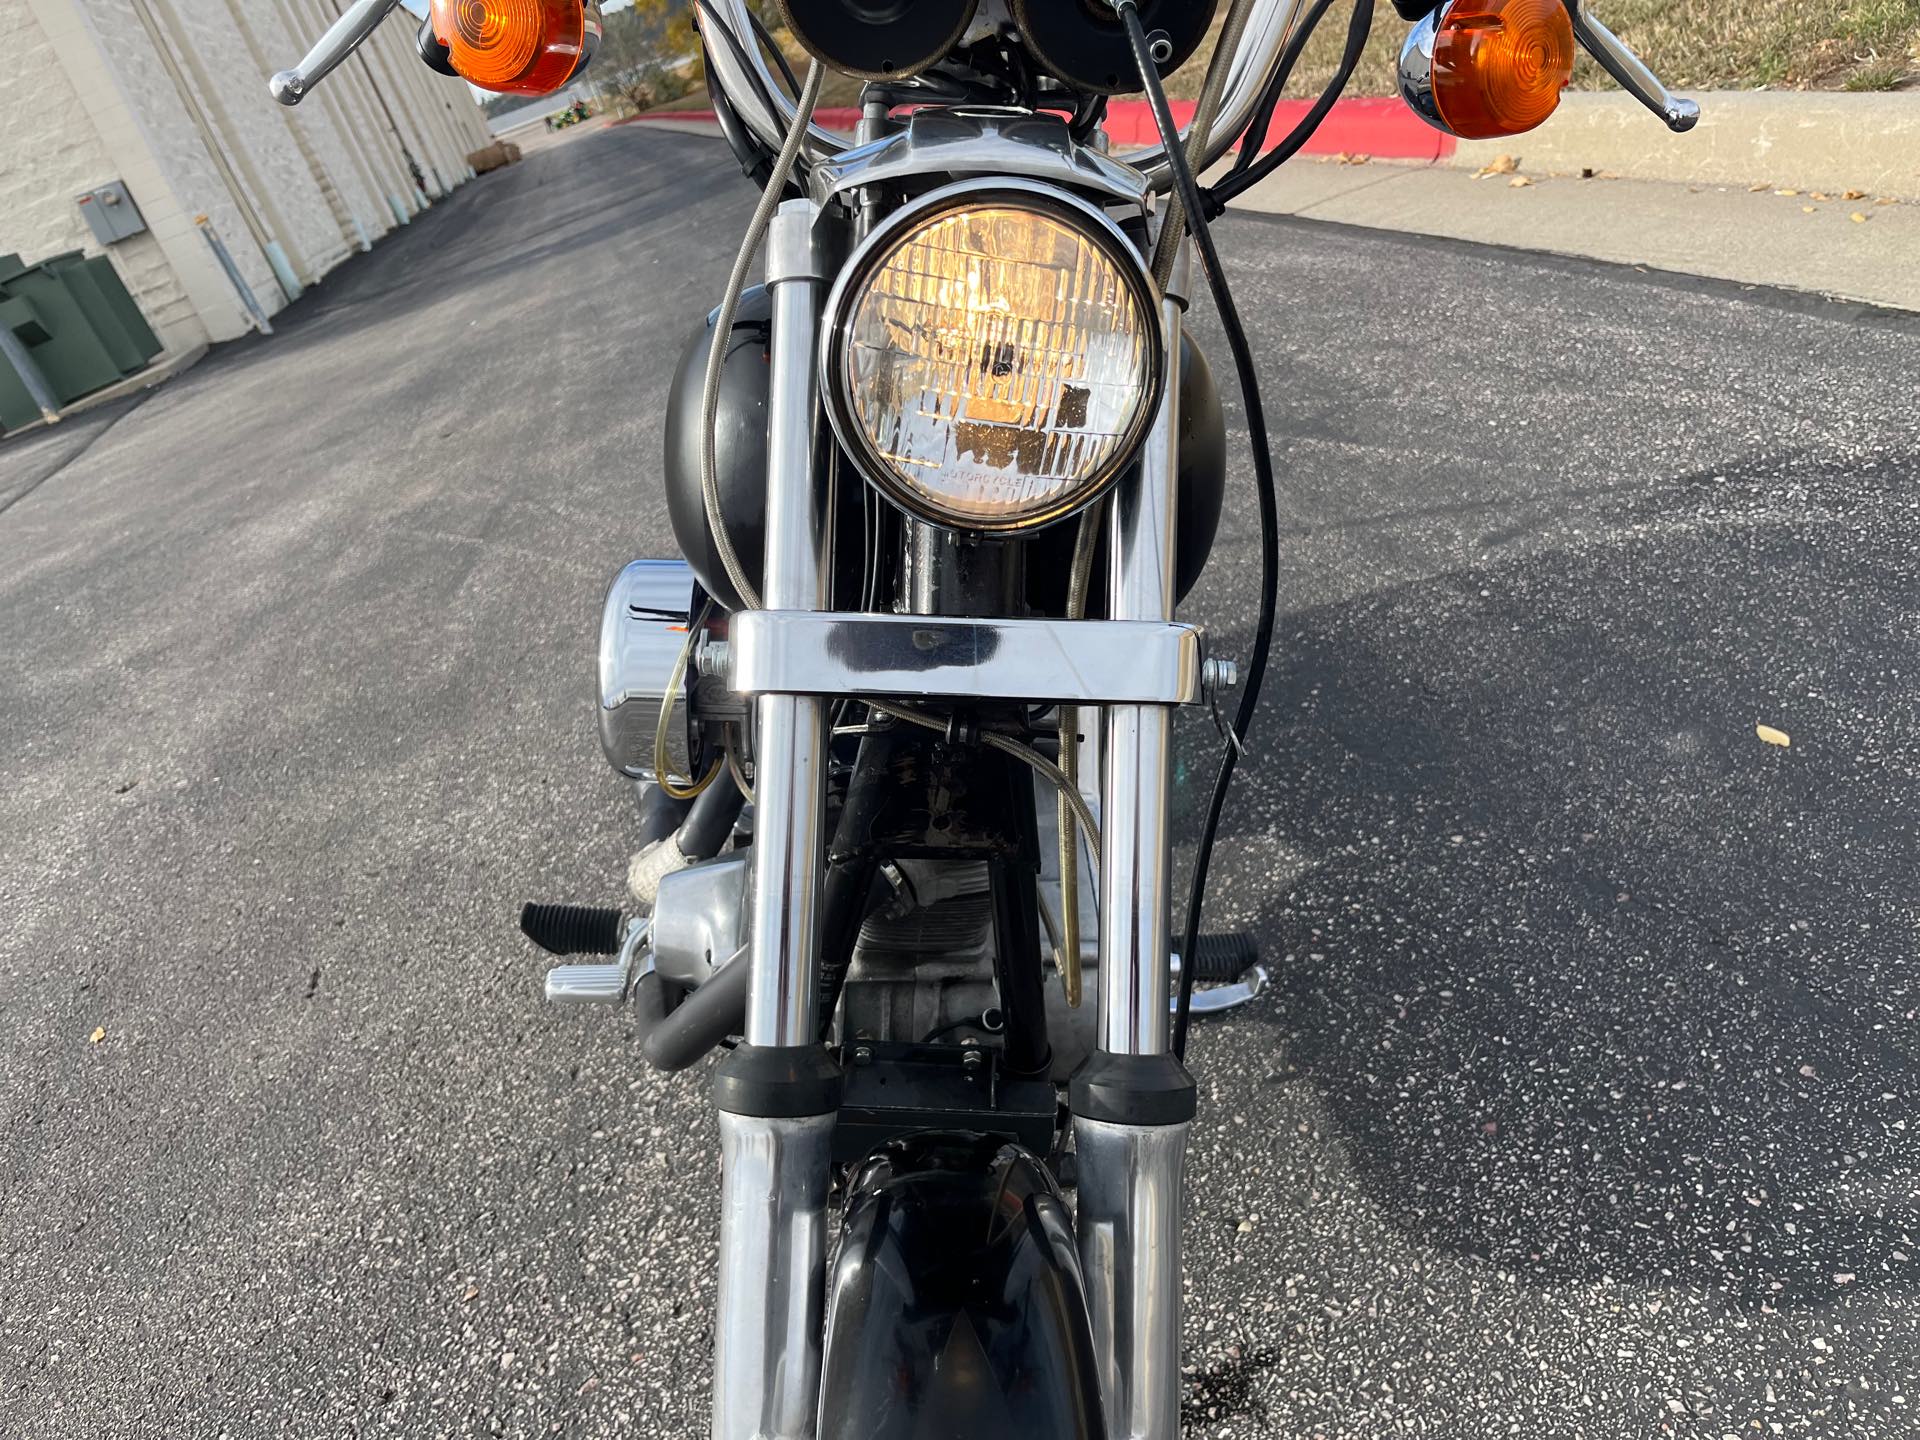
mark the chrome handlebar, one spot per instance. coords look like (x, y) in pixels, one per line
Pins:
(343, 37)
(768, 111)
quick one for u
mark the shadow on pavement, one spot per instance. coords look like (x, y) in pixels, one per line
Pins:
(1595, 981)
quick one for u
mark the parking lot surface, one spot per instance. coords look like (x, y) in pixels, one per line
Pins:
(1583, 1104)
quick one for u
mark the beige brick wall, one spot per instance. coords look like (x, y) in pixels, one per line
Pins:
(50, 152)
(170, 96)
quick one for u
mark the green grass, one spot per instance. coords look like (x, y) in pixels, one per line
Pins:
(1691, 44)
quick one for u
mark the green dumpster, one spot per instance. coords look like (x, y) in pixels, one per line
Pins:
(76, 326)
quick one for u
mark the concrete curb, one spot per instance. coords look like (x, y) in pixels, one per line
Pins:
(1799, 140)
(1802, 139)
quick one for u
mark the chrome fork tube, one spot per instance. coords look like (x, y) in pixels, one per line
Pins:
(1133, 1103)
(1135, 883)
(789, 738)
(777, 1092)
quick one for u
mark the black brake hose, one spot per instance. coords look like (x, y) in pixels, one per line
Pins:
(1239, 181)
(1255, 137)
(1196, 220)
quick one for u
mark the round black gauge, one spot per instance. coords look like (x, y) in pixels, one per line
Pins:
(1083, 42)
(878, 39)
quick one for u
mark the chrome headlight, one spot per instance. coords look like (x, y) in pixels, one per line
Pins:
(993, 356)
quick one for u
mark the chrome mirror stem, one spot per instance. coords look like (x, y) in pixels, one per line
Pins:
(343, 37)
(1630, 70)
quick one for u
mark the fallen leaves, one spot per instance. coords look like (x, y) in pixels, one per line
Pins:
(1786, 192)
(1772, 736)
(99, 1034)
(1519, 182)
(1853, 194)
(1857, 218)
(1499, 165)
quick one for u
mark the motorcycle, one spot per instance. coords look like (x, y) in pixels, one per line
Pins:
(940, 483)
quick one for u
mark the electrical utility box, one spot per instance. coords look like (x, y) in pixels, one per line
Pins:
(111, 213)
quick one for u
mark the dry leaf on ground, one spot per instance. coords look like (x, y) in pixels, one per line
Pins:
(1499, 165)
(1857, 218)
(1763, 185)
(1772, 736)
(1519, 181)
(1853, 194)
(1786, 192)
(99, 1034)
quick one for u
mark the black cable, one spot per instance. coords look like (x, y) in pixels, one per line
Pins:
(738, 52)
(1263, 484)
(1255, 137)
(1239, 181)
(779, 56)
(755, 163)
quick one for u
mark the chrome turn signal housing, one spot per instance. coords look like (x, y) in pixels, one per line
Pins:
(1481, 69)
(992, 356)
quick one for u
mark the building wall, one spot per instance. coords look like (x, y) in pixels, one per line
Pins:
(50, 152)
(170, 96)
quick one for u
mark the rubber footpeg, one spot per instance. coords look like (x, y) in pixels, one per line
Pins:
(1224, 958)
(572, 929)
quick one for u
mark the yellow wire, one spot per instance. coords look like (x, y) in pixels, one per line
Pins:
(733, 765)
(662, 766)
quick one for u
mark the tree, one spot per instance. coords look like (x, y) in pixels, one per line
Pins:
(648, 53)
(627, 62)
(677, 40)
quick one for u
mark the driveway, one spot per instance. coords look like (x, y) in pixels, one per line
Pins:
(1584, 1101)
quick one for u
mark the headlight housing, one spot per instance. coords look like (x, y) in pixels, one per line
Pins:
(993, 356)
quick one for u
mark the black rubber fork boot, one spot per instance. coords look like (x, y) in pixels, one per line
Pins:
(1133, 1090)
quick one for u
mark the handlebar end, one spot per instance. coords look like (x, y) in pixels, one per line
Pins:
(1682, 115)
(289, 87)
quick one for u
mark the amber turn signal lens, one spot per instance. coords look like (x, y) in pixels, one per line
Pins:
(1499, 65)
(528, 46)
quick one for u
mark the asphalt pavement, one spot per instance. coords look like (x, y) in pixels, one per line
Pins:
(1583, 1104)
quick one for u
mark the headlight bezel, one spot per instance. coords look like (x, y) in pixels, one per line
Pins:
(1062, 206)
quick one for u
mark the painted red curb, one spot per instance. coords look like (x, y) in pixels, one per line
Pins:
(1383, 128)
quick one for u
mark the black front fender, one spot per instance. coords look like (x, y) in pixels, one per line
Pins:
(956, 1310)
